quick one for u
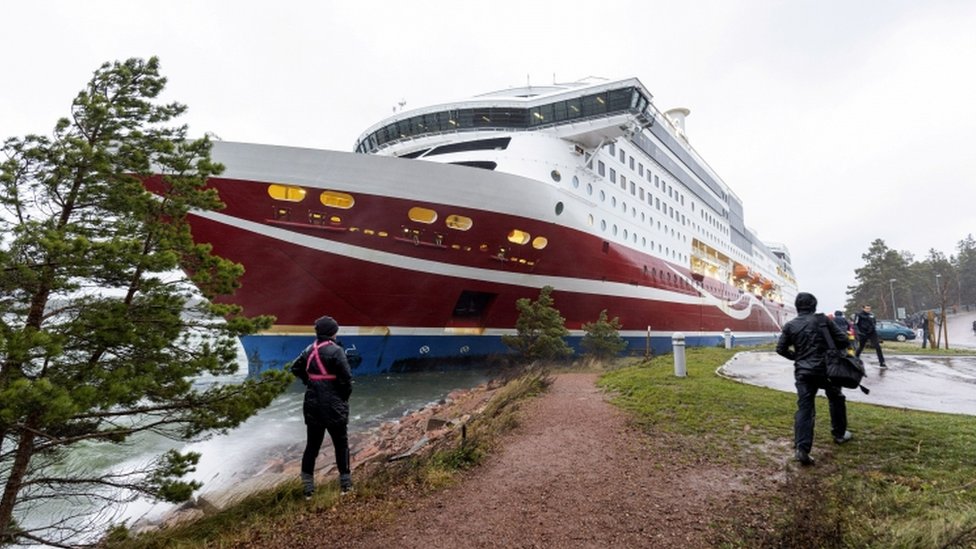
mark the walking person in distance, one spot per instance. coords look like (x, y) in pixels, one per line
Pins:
(324, 370)
(866, 328)
(802, 341)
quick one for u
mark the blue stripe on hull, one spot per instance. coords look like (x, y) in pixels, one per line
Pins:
(383, 353)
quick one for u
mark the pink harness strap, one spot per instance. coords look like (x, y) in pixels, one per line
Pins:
(323, 374)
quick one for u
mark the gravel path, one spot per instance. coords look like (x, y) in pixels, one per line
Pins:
(573, 474)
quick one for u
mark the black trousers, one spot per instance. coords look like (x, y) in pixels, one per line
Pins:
(340, 441)
(873, 338)
(807, 385)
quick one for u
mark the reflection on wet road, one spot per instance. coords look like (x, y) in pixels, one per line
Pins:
(933, 383)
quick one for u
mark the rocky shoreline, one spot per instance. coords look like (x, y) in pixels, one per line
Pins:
(390, 441)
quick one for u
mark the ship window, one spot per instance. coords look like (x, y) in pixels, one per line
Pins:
(632, 162)
(414, 154)
(603, 224)
(516, 236)
(603, 196)
(483, 164)
(335, 199)
(589, 220)
(623, 156)
(540, 242)
(613, 175)
(498, 144)
(589, 188)
(559, 208)
(288, 193)
(458, 222)
(575, 182)
(422, 215)
(555, 175)
(601, 168)
(612, 149)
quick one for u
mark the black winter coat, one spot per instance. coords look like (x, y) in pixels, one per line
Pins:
(802, 342)
(864, 323)
(326, 401)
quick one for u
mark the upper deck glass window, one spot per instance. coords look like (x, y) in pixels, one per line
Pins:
(422, 215)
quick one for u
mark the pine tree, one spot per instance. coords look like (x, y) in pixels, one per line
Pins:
(101, 336)
(541, 329)
(602, 338)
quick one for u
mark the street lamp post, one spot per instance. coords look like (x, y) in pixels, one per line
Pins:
(891, 285)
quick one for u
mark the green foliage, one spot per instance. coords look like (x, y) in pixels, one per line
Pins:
(101, 336)
(541, 329)
(915, 286)
(602, 338)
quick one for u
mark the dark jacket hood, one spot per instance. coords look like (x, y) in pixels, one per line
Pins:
(805, 303)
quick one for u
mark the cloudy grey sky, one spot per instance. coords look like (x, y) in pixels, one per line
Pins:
(836, 122)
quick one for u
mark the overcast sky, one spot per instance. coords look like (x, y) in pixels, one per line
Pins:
(836, 122)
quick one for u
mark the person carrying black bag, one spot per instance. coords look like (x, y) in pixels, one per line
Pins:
(802, 342)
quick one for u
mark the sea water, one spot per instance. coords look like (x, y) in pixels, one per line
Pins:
(279, 427)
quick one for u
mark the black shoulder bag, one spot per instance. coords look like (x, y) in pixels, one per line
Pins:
(843, 370)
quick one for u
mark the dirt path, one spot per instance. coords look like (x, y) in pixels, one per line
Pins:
(573, 474)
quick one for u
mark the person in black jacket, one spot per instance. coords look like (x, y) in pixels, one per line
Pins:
(866, 329)
(324, 370)
(803, 342)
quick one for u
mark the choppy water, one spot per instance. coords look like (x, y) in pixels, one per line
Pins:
(375, 399)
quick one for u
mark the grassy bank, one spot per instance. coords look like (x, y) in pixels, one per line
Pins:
(907, 480)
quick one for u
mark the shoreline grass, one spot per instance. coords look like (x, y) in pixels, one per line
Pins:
(908, 479)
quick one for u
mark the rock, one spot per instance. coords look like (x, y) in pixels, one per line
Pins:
(434, 423)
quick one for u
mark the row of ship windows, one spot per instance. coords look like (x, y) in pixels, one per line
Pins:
(632, 236)
(630, 161)
(417, 214)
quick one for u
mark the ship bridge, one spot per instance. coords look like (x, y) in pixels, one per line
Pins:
(588, 116)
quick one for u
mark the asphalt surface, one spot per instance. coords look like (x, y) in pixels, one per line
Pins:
(933, 383)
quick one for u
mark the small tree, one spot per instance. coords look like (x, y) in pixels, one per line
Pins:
(541, 329)
(101, 337)
(602, 339)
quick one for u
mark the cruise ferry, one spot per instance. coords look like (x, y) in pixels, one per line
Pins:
(421, 240)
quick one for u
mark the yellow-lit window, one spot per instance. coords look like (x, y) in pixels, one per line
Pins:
(335, 199)
(519, 237)
(422, 215)
(540, 242)
(458, 222)
(289, 193)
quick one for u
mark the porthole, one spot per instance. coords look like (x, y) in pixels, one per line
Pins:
(603, 224)
(589, 220)
(603, 196)
(422, 215)
(336, 199)
(614, 230)
(458, 222)
(555, 175)
(575, 182)
(516, 236)
(559, 208)
(613, 201)
(540, 242)
(625, 234)
(589, 188)
(288, 193)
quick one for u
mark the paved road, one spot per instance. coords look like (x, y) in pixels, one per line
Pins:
(937, 384)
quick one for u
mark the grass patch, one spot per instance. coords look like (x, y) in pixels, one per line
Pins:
(907, 480)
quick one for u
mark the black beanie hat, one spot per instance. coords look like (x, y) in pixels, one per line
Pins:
(805, 302)
(326, 327)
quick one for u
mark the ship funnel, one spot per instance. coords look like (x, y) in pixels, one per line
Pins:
(677, 118)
